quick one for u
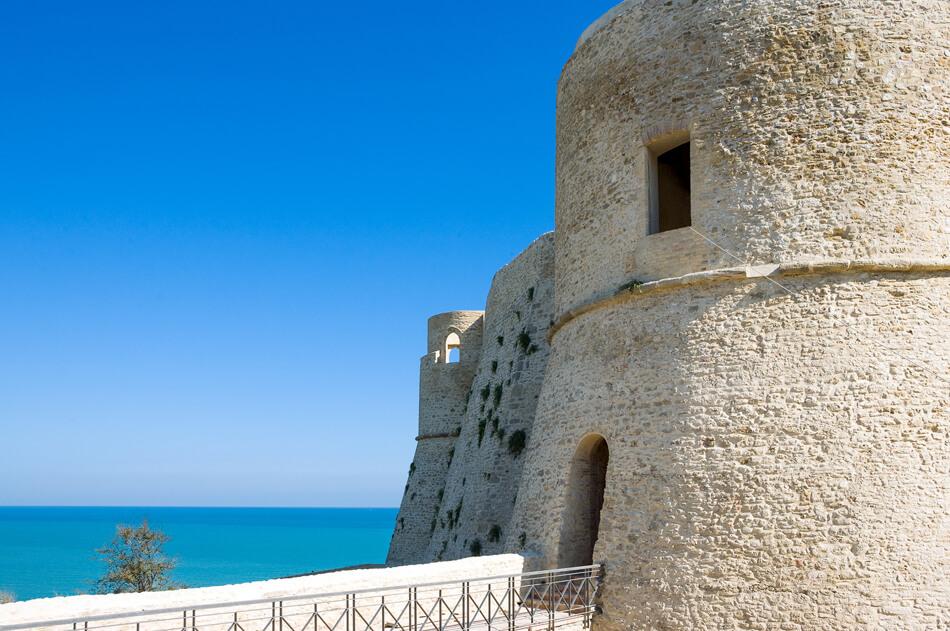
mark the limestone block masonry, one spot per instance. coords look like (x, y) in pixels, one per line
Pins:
(481, 486)
(466, 470)
(750, 415)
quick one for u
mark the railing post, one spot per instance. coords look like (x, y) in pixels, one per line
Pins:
(415, 599)
(511, 604)
(551, 603)
(587, 597)
(441, 627)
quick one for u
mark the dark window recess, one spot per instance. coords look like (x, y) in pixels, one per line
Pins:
(671, 194)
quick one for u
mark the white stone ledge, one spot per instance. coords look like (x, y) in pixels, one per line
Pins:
(70, 607)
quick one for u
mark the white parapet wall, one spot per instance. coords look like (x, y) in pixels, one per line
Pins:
(81, 607)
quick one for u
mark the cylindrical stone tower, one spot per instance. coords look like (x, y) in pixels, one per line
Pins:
(753, 317)
(445, 378)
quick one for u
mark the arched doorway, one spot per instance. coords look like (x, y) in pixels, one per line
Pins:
(585, 499)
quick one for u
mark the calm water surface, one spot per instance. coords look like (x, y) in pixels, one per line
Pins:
(51, 551)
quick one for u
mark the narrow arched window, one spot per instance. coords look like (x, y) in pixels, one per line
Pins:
(453, 349)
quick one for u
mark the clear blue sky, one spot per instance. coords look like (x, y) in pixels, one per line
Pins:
(223, 225)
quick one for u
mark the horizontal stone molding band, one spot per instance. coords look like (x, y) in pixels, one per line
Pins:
(752, 272)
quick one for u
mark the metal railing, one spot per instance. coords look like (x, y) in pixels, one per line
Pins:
(533, 601)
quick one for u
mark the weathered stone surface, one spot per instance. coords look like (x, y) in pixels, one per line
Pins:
(772, 381)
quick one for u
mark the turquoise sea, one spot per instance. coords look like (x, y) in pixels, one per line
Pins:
(50, 551)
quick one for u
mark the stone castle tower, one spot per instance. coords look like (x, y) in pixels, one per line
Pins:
(732, 376)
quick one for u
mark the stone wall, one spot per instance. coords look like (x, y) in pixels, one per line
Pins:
(482, 483)
(774, 459)
(476, 417)
(252, 616)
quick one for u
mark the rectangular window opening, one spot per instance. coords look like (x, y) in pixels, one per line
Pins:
(670, 202)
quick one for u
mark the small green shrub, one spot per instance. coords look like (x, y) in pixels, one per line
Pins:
(634, 284)
(494, 425)
(475, 548)
(501, 340)
(532, 349)
(481, 431)
(522, 539)
(501, 435)
(495, 533)
(516, 443)
(524, 340)
(451, 455)
(498, 393)
(530, 294)
(494, 366)
(486, 392)
(412, 468)
(440, 495)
